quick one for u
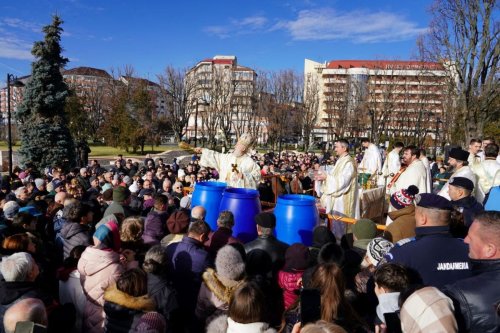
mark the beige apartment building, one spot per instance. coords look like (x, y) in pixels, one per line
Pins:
(379, 98)
(223, 98)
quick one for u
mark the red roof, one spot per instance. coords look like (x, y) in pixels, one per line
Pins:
(219, 61)
(384, 64)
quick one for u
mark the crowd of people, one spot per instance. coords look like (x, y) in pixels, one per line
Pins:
(120, 249)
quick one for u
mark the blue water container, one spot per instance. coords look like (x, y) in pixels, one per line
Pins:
(209, 195)
(296, 217)
(244, 204)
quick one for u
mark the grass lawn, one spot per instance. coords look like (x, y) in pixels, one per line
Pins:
(101, 151)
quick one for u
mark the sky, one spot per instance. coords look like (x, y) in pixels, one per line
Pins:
(263, 34)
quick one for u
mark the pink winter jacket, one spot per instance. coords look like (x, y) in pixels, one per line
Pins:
(98, 269)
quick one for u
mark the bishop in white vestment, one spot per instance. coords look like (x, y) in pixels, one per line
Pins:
(237, 169)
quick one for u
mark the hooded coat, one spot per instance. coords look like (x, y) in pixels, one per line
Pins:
(98, 269)
(124, 311)
(74, 234)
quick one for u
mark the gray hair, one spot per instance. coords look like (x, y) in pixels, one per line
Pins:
(225, 219)
(28, 309)
(154, 260)
(17, 267)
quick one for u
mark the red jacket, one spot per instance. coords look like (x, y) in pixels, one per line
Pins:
(288, 281)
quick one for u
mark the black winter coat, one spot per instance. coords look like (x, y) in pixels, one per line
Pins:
(272, 247)
(164, 295)
(477, 298)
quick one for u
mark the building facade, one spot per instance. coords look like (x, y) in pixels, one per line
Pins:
(223, 99)
(379, 99)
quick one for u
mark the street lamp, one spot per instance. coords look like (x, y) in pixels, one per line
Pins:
(204, 103)
(438, 121)
(14, 82)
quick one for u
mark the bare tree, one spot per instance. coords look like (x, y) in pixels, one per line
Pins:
(96, 101)
(178, 92)
(286, 88)
(337, 94)
(311, 107)
(465, 33)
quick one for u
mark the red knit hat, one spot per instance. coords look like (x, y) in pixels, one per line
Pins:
(404, 197)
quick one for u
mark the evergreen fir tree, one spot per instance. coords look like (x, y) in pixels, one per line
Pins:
(43, 124)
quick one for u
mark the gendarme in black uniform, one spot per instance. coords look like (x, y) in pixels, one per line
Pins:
(435, 255)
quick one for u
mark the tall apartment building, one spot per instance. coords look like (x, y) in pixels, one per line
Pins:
(388, 98)
(224, 89)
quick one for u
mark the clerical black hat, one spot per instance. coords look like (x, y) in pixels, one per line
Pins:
(459, 154)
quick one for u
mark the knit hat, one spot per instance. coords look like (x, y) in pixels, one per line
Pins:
(120, 194)
(265, 220)
(10, 209)
(364, 229)
(185, 202)
(151, 322)
(92, 178)
(39, 182)
(428, 310)
(105, 187)
(297, 257)
(229, 264)
(377, 249)
(109, 236)
(178, 222)
(404, 197)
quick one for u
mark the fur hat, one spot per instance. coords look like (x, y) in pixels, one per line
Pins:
(404, 197)
(459, 154)
(229, 264)
(377, 249)
(178, 222)
(297, 257)
(364, 229)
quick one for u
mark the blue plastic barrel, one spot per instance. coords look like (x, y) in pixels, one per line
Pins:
(209, 195)
(244, 204)
(296, 217)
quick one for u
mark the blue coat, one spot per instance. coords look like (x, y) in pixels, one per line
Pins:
(186, 262)
(434, 258)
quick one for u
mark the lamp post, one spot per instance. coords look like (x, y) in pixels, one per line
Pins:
(14, 82)
(438, 121)
(204, 103)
